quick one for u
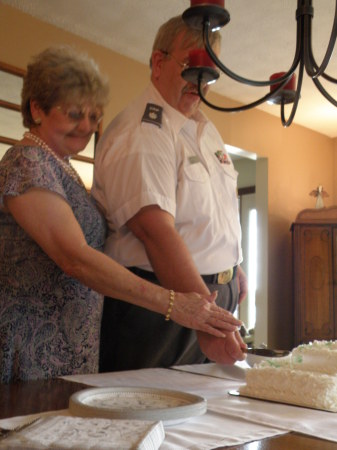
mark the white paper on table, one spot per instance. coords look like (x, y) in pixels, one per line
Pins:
(201, 433)
(198, 433)
(205, 386)
(288, 417)
(230, 372)
(275, 415)
(229, 420)
(214, 430)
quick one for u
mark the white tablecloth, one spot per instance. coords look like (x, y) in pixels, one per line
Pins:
(229, 420)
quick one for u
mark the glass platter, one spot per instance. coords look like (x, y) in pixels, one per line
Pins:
(236, 393)
(137, 403)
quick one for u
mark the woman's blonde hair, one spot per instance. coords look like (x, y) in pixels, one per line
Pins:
(62, 75)
(169, 31)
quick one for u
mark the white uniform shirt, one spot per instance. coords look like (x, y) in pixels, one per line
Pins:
(169, 161)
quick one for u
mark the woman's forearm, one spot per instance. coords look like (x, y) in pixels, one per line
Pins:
(101, 273)
(191, 310)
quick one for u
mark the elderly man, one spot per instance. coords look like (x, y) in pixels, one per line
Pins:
(168, 190)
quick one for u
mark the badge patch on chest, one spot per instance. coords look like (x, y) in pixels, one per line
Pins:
(222, 157)
(193, 159)
(153, 114)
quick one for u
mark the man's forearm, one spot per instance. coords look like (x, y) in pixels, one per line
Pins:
(173, 264)
(166, 250)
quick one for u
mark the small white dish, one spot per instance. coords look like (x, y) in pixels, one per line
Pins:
(137, 403)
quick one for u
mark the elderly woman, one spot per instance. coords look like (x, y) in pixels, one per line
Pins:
(52, 270)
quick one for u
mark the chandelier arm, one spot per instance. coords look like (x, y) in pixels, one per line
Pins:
(314, 73)
(237, 108)
(287, 123)
(329, 78)
(312, 68)
(234, 76)
(324, 92)
(323, 75)
(303, 58)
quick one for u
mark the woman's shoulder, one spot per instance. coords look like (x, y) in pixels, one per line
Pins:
(24, 167)
(22, 155)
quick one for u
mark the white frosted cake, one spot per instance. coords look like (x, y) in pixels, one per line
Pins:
(306, 377)
(318, 356)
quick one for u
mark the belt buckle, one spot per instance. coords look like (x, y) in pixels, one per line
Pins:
(225, 277)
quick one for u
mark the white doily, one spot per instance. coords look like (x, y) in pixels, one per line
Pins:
(59, 432)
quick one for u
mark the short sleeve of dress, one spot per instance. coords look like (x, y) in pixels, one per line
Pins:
(24, 167)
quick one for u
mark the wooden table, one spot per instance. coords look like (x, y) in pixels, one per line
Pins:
(32, 397)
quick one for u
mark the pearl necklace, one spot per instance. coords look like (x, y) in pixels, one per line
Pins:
(68, 168)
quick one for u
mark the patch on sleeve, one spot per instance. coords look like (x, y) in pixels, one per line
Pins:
(153, 114)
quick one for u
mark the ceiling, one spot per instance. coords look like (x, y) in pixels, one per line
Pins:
(258, 41)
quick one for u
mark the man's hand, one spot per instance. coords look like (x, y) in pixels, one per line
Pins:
(226, 350)
(243, 284)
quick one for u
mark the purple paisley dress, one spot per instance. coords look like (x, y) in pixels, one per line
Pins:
(49, 322)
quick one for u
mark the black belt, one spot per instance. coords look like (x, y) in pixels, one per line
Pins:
(222, 277)
(217, 278)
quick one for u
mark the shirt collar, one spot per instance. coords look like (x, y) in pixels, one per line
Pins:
(177, 120)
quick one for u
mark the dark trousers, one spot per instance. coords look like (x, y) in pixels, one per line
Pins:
(133, 337)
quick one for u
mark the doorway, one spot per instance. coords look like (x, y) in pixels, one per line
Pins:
(253, 198)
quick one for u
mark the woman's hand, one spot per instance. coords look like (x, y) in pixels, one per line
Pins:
(200, 312)
(226, 350)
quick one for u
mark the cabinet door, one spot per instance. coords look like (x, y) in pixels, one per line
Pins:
(313, 275)
(334, 275)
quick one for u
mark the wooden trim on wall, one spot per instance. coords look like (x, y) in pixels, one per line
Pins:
(246, 190)
(9, 105)
(12, 69)
(7, 140)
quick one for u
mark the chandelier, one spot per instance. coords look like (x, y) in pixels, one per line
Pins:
(204, 64)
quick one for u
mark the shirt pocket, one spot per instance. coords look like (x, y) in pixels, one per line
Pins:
(228, 170)
(196, 172)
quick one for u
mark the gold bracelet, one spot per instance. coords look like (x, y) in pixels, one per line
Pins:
(170, 307)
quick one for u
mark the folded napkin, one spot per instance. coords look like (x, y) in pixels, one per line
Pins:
(77, 433)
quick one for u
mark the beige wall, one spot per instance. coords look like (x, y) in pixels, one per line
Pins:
(335, 170)
(298, 159)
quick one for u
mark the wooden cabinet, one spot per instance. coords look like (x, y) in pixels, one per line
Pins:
(314, 239)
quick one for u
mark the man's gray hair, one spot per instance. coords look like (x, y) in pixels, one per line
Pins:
(169, 31)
